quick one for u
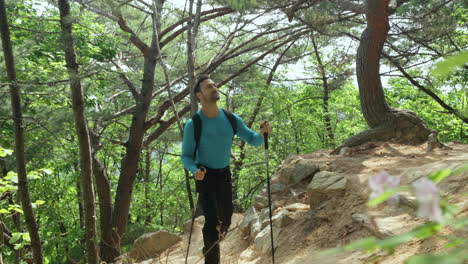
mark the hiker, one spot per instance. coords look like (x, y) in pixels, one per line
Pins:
(208, 160)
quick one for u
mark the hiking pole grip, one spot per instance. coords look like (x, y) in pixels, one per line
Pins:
(265, 135)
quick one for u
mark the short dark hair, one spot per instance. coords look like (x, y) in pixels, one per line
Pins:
(200, 79)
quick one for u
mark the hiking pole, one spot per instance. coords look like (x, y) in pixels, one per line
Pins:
(194, 210)
(191, 230)
(265, 136)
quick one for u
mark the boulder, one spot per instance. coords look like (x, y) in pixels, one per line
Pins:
(285, 174)
(282, 218)
(259, 223)
(248, 254)
(198, 222)
(324, 186)
(262, 241)
(297, 207)
(277, 187)
(260, 202)
(152, 244)
(302, 171)
(249, 218)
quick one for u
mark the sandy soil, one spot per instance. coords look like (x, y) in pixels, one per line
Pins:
(331, 224)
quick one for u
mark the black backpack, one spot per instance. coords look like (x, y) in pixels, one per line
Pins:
(197, 127)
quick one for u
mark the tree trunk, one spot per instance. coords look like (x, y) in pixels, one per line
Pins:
(104, 195)
(82, 132)
(326, 91)
(147, 183)
(79, 194)
(23, 187)
(385, 123)
(192, 31)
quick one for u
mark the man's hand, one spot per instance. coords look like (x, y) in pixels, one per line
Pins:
(265, 128)
(200, 174)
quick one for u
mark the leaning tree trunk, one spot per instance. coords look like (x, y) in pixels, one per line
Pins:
(326, 91)
(385, 123)
(82, 132)
(23, 188)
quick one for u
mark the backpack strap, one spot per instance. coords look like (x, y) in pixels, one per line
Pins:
(232, 120)
(197, 126)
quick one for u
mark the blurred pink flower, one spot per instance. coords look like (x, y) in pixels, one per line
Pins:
(382, 181)
(427, 195)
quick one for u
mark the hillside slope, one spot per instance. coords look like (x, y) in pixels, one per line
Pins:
(332, 211)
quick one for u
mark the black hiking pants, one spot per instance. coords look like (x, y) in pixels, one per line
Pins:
(215, 198)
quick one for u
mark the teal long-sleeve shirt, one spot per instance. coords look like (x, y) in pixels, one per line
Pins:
(214, 148)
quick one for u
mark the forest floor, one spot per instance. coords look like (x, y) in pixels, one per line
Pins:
(331, 224)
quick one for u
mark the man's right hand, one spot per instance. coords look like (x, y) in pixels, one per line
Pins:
(200, 174)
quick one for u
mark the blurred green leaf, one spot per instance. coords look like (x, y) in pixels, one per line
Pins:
(15, 237)
(387, 194)
(439, 175)
(5, 152)
(444, 259)
(450, 64)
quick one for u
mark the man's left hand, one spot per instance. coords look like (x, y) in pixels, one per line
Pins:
(265, 128)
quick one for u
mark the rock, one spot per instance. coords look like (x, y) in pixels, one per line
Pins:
(198, 221)
(285, 174)
(277, 187)
(408, 200)
(152, 244)
(325, 185)
(344, 151)
(259, 223)
(262, 241)
(260, 202)
(248, 255)
(383, 227)
(279, 203)
(302, 171)
(297, 207)
(282, 218)
(249, 218)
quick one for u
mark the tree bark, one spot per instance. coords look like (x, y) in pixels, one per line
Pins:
(385, 123)
(23, 187)
(79, 195)
(192, 31)
(82, 132)
(373, 104)
(147, 182)
(326, 91)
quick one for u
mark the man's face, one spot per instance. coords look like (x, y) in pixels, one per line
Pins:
(208, 92)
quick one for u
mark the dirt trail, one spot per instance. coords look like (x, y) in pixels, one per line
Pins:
(331, 224)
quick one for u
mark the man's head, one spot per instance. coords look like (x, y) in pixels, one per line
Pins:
(206, 90)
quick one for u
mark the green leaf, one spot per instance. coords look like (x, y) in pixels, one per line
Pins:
(455, 243)
(384, 196)
(367, 244)
(19, 210)
(394, 241)
(427, 230)
(12, 176)
(39, 202)
(4, 211)
(5, 152)
(46, 171)
(445, 259)
(18, 246)
(440, 175)
(450, 64)
(15, 237)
